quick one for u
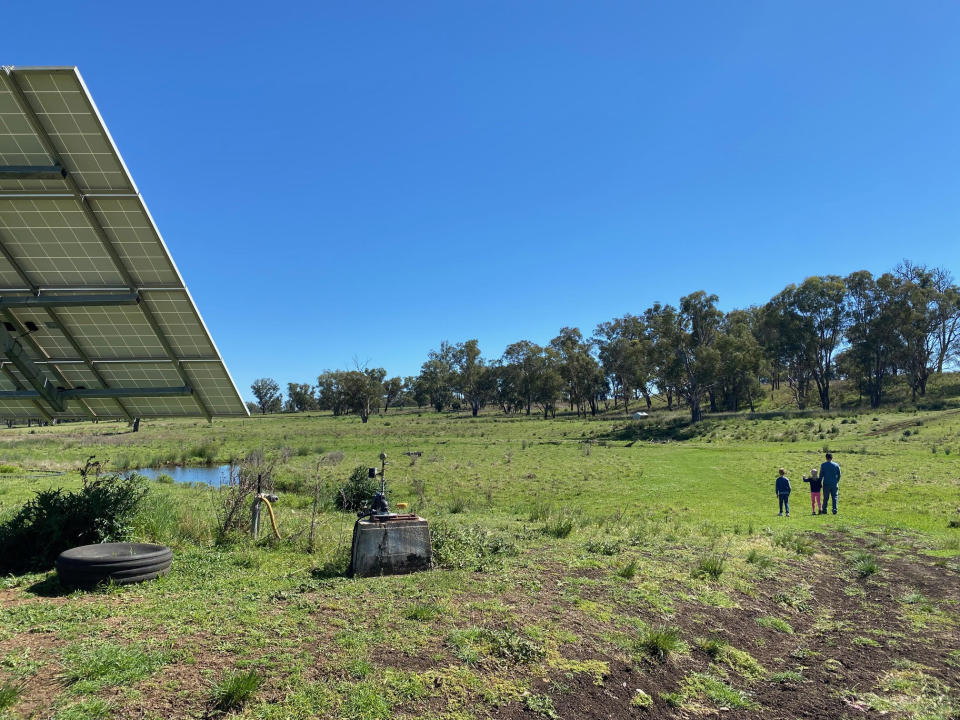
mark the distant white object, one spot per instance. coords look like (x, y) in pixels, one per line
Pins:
(639, 415)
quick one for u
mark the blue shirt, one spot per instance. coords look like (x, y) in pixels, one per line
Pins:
(783, 485)
(830, 473)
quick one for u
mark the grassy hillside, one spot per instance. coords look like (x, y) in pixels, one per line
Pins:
(586, 568)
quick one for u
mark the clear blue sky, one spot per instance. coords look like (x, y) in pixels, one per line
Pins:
(366, 179)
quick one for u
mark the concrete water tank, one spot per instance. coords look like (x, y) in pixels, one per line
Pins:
(390, 545)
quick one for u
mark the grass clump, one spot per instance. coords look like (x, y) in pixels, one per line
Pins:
(641, 700)
(798, 597)
(603, 546)
(366, 701)
(542, 705)
(508, 644)
(628, 571)
(559, 526)
(422, 612)
(9, 694)
(775, 623)
(739, 660)
(660, 642)
(86, 709)
(797, 542)
(912, 693)
(864, 564)
(710, 566)
(235, 690)
(701, 687)
(90, 666)
(755, 557)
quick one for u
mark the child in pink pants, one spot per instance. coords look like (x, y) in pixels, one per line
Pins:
(816, 485)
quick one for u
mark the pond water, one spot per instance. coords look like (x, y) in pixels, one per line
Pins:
(214, 475)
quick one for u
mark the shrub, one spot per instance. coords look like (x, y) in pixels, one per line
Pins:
(457, 505)
(358, 491)
(466, 546)
(603, 546)
(165, 479)
(55, 520)
(235, 690)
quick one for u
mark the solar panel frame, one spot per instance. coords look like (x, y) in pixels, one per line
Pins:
(91, 233)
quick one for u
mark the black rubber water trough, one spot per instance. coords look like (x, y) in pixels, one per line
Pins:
(121, 563)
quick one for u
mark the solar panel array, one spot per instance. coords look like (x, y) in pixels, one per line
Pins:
(73, 225)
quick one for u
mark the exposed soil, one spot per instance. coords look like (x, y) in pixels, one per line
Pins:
(841, 608)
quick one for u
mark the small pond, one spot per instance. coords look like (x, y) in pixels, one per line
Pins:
(215, 475)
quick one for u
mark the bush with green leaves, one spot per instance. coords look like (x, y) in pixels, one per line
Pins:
(55, 520)
(357, 492)
(467, 546)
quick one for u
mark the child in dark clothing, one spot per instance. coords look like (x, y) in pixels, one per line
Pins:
(783, 492)
(816, 484)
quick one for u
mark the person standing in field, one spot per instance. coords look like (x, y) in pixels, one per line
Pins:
(783, 492)
(830, 476)
(815, 485)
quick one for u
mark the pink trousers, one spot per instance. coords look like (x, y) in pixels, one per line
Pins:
(815, 501)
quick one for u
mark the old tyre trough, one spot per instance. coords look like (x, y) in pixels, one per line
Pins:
(121, 563)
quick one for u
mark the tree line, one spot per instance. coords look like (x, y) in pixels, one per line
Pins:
(861, 328)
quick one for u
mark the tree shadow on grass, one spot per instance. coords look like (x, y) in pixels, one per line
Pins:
(656, 431)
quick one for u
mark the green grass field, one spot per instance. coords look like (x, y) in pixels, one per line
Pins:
(586, 568)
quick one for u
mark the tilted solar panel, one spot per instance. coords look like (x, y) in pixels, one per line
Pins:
(95, 320)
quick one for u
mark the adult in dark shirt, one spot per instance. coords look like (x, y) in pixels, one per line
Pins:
(830, 475)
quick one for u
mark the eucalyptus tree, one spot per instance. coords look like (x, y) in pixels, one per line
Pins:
(473, 378)
(661, 323)
(300, 397)
(789, 342)
(740, 359)
(267, 393)
(363, 390)
(577, 367)
(522, 363)
(819, 301)
(697, 329)
(932, 322)
(876, 310)
(331, 392)
(392, 389)
(549, 382)
(625, 353)
(437, 376)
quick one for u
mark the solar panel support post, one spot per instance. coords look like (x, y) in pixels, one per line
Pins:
(10, 346)
(48, 301)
